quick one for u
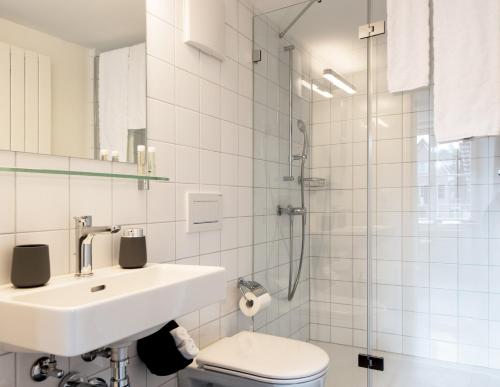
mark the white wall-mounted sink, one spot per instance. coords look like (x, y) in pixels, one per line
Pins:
(70, 316)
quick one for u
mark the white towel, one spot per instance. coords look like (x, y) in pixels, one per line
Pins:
(189, 350)
(466, 69)
(408, 26)
(113, 101)
(180, 335)
(185, 344)
(137, 87)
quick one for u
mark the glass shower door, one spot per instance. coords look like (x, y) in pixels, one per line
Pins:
(330, 306)
(279, 88)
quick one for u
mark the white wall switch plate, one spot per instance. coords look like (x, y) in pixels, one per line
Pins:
(204, 211)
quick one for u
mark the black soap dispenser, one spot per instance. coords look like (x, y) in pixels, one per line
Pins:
(133, 253)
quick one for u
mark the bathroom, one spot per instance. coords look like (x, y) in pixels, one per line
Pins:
(335, 162)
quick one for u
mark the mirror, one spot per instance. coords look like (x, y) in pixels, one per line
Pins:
(73, 77)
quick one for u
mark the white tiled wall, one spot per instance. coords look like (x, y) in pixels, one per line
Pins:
(271, 233)
(200, 121)
(435, 232)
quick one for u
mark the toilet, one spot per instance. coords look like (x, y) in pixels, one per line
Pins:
(250, 359)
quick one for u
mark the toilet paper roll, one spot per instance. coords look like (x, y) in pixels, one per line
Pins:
(257, 303)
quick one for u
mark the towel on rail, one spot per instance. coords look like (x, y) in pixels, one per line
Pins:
(466, 69)
(408, 44)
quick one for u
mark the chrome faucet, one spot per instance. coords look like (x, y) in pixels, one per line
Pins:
(85, 234)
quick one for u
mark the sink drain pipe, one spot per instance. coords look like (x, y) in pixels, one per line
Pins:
(119, 364)
(118, 357)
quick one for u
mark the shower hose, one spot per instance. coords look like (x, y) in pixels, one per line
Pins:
(292, 284)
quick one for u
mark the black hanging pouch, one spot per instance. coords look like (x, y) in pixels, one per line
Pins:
(159, 352)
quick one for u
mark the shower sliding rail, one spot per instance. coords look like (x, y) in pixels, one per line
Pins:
(290, 49)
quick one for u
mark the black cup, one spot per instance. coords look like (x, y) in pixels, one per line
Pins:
(30, 266)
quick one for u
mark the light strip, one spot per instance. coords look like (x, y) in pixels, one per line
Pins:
(324, 93)
(339, 81)
(316, 89)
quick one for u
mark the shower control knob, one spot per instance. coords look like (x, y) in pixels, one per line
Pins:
(291, 210)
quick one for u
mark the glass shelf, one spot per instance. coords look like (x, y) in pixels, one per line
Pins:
(83, 173)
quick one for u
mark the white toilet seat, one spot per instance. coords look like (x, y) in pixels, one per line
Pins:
(265, 358)
(263, 379)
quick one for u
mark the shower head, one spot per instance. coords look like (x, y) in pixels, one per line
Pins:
(303, 129)
(301, 126)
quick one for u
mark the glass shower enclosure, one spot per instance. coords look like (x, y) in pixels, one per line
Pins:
(399, 233)
(310, 177)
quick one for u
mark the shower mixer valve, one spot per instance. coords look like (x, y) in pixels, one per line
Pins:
(289, 210)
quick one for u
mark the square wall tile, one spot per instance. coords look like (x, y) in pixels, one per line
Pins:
(165, 159)
(161, 80)
(187, 162)
(229, 234)
(164, 9)
(473, 278)
(187, 127)
(210, 133)
(229, 170)
(7, 243)
(52, 213)
(161, 121)
(232, 12)
(229, 137)
(210, 243)
(7, 194)
(90, 195)
(210, 68)
(210, 98)
(229, 106)
(209, 167)
(187, 90)
(444, 302)
(229, 74)
(444, 276)
(129, 204)
(231, 43)
(186, 244)
(161, 242)
(245, 19)
(160, 38)
(161, 202)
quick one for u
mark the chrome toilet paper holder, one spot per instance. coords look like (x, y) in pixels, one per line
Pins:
(253, 287)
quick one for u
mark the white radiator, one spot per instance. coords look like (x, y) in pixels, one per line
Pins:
(25, 100)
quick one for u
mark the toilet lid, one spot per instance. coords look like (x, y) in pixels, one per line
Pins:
(264, 356)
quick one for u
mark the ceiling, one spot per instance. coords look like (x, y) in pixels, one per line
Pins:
(328, 29)
(101, 24)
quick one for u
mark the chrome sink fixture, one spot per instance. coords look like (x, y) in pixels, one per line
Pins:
(85, 233)
(72, 315)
